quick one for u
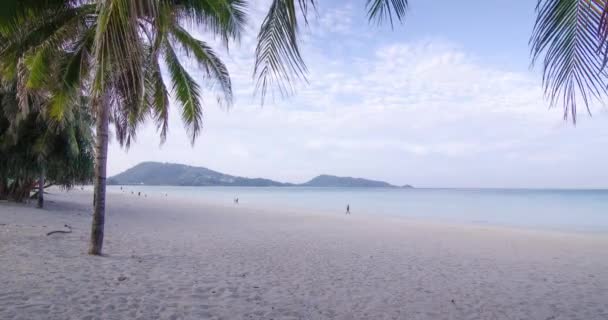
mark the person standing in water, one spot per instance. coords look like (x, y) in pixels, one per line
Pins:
(348, 209)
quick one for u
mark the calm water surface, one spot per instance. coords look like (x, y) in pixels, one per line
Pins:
(574, 210)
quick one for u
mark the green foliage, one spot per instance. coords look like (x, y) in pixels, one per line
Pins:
(568, 37)
(115, 48)
(30, 145)
(187, 92)
(380, 10)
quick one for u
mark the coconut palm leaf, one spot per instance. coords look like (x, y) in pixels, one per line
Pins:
(381, 10)
(278, 60)
(567, 38)
(215, 70)
(158, 99)
(50, 27)
(186, 91)
(37, 50)
(604, 28)
(76, 63)
(17, 8)
(35, 145)
(225, 18)
(118, 45)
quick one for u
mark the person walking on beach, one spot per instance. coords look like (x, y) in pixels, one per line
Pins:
(348, 209)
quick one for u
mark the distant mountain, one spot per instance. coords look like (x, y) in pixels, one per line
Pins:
(170, 174)
(325, 180)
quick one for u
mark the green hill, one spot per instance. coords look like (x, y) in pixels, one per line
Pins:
(171, 174)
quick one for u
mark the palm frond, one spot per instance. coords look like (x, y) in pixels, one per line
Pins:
(14, 10)
(76, 63)
(48, 30)
(208, 61)
(567, 37)
(59, 106)
(67, 79)
(38, 65)
(21, 80)
(186, 91)
(158, 98)
(129, 110)
(381, 10)
(117, 45)
(226, 18)
(604, 28)
(278, 60)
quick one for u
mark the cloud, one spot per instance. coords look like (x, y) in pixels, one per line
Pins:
(425, 111)
(337, 20)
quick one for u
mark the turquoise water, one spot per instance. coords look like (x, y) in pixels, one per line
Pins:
(573, 210)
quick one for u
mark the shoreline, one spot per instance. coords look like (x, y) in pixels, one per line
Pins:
(187, 260)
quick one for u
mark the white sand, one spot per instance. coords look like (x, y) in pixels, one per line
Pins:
(195, 261)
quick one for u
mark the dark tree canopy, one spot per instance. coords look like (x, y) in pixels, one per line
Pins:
(29, 144)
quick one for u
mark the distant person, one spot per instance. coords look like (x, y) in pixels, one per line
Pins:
(348, 209)
(139, 194)
(236, 200)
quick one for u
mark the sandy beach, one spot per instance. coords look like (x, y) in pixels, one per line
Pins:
(177, 259)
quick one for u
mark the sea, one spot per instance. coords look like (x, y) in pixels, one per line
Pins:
(565, 210)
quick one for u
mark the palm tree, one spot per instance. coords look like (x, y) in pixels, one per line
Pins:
(131, 38)
(277, 58)
(28, 139)
(33, 60)
(113, 48)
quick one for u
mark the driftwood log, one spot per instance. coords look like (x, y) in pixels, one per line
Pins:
(61, 231)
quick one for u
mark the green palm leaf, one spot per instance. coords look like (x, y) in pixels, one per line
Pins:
(186, 91)
(604, 27)
(225, 18)
(278, 60)
(567, 34)
(118, 45)
(157, 97)
(161, 103)
(380, 10)
(215, 70)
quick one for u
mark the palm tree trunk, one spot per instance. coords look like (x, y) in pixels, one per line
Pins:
(3, 188)
(101, 158)
(41, 189)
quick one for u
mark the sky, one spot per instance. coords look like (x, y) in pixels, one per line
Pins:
(446, 99)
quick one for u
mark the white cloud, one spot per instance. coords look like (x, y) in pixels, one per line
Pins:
(425, 112)
(334, 21)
